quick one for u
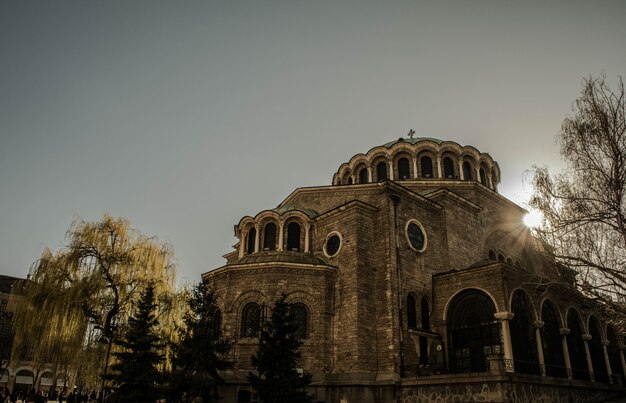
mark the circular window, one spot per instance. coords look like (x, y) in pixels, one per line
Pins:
(416, 235)
(333, 244)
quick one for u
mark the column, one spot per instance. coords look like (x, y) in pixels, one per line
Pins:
(586, 338)
(257, 239)
(504, 318)
(621, 357)
(281, 229)
(542, 362)
(369, 174)
(307, 235)
(242, 244)
(415, 175)
(461, 175)
(390, 170)
(568, 364)
(438, 161)
(607, 361)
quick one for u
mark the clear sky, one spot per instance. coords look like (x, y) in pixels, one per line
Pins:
(185, 116)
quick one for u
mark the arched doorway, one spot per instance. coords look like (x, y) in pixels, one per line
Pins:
(551, 341)
(523, 335)
(576, 347)
(473, 331)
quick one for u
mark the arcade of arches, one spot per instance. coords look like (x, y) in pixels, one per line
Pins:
(532, 341)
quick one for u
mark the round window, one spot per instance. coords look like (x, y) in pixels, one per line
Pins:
(333, 243)
(416, 236)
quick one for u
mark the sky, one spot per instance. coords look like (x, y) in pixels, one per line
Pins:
(183, 117)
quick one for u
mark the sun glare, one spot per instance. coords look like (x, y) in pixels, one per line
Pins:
(533, 219)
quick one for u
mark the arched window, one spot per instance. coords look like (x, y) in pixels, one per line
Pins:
(576, 347)
(404, 171)
(425, 313)
(251, 240)
(473, 331)
(448, 168)
(411, 313)
(426, 167)
(523, 335)
(363, 176)
(551, 341)
(300, 318)
(492, 255)
(350, 181)
(467, 171)
(597, 352)
(614, 356)
(293, 236)
(251, 320)
(269, 237)
(501, 257)
(381, 171)
(483, 177)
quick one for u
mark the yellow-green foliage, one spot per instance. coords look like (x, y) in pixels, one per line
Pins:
(78, 297)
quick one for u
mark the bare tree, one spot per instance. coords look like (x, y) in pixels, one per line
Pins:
(584, 207)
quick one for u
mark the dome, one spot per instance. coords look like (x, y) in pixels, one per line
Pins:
(420, 159)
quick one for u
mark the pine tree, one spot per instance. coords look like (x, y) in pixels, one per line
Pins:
(278, 380)
(202, 349)
(136, 372)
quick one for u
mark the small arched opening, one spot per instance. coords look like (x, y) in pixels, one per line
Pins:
(381, 171)
(293, 237)
(467, 171)
(251, 241)
(363, 175)
(404, 170)
(269, 236)
(426, 167)
(448, 168)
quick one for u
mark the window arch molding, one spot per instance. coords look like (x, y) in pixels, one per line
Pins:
(557, 310)
(446, 308)
(533, 307)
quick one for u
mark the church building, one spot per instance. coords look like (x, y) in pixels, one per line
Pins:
(414, 280)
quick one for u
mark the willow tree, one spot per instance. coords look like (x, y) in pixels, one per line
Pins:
(79, 298)
(585, 206)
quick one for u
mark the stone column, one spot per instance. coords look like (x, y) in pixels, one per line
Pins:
(281, 235)
(415, 175)
(542, 363)
(607, 360)
(461, 175)
(438, 161)
(257, 239)
(568, 364)
(390, 170)
(504, 318)
(586, 338)
(478, 173)
(242, 244)
(370, 178)
(307, 236)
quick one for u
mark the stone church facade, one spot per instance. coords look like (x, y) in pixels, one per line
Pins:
(414, 280)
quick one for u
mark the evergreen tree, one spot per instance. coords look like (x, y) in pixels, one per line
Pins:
(277, 379)
(136, 371)
(202, 349)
